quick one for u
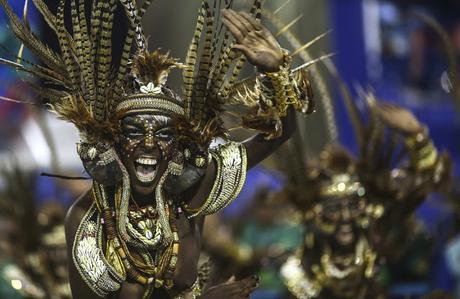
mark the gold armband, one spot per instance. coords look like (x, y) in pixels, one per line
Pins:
(422, 152)
(275, 92)
(279, 89)
(231, 164)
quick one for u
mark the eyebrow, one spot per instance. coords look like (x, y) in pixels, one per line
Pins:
(160, 119)
(136, 120)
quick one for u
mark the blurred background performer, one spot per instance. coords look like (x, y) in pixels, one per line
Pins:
(136, 233)
(356, 211)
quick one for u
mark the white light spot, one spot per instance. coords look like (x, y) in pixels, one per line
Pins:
(16, 284)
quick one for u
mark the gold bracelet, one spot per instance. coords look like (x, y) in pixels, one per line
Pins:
(426, 157)
(422, 152)
(285, 92)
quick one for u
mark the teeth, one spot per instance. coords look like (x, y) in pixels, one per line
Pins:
(144, 175)
(146, 161)
(145, 178)
(346, 228)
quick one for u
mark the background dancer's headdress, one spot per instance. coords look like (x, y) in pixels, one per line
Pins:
(385, 158)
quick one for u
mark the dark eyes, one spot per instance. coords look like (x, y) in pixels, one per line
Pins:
(332, 208)
(165, 133)
(133, 132)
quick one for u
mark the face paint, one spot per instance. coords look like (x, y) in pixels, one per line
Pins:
(146, 148)
(340, 218)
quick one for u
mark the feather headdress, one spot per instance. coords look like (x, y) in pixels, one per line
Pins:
(85, 86)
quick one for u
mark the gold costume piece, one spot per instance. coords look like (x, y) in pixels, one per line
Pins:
(86, 87)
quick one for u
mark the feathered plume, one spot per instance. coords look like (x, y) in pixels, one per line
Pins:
(153, 67)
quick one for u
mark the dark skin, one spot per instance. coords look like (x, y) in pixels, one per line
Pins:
(342, 214)
(384, 235)
(399, 119)
(381, 234)
(262, 50)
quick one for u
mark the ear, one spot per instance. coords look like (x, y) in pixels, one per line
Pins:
(101, 162)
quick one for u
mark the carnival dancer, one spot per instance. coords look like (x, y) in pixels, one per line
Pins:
(160, 160)
(356, 211)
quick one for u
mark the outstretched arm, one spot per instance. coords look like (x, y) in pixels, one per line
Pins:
(278, 96)
(425, 169)
(258, 147)
(399, 180)
(263, 51)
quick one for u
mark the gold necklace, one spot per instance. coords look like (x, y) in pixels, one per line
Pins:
(297, 281)
(301, 286)
(149, 272)
(143, 224)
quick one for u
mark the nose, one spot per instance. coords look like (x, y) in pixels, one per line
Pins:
(346, 215)
(149, 139)
(149, 143)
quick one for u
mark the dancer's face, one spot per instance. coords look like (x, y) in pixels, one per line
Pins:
(146, 149)
(339, 217)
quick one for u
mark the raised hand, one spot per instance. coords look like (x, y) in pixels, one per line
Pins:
(254, 40)
(232, 289)
(399, 119)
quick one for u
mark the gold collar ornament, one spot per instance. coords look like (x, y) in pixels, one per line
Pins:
(326, 274)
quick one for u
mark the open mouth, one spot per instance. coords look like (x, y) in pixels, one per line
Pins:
(146, 169)
(345, 234)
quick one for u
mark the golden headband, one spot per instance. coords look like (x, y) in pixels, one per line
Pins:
(342, 185)
(150, 103)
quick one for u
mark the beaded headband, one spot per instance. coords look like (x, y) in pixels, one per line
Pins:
(342, 185)
(150, 103)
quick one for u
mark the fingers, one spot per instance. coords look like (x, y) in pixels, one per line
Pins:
(250, 285)
(253, 23)
(243, 48)
(233, 289)
(236, 27)
(237, 289)
(250, 53)
(234, 30)
(239, 20)
(259, 30)
(242, 24)
(253, 40)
